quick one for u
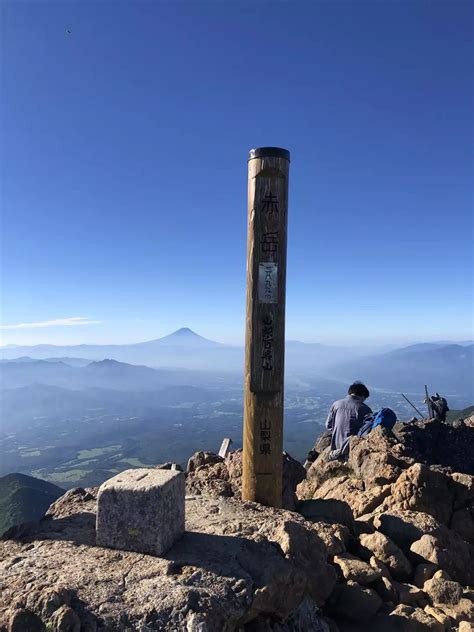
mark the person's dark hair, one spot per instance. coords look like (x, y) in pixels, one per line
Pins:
(359, 389)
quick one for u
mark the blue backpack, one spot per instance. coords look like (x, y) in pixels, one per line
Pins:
(385, 418)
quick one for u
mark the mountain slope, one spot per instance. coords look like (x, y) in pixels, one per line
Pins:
(24, 499)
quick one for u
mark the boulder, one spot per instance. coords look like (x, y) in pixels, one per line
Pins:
(386, 590)
(376, 458)
(353, 491)
(322, 470)
(380, 566)
(211, 475)
(201, 459)
(463, 486)
(423, 572)
(406, 619)
(354, 603)
(65, 619)
(405, 527)
(293, 474)
(425, 489)
(334, 536)
(410, 595)
(387, 552)
(462, 611)
(448, 552)
(25, 621)
(463, 523)
(439, 615)
(442, 591)
(330, 511)
(434, 442)
(323, 442)
(210, 480)
(356, 570)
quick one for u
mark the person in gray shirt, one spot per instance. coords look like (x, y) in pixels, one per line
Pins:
(346, 416)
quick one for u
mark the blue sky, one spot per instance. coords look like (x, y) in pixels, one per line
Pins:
(124, 148)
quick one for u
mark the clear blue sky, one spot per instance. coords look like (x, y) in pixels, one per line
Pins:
(124, 166)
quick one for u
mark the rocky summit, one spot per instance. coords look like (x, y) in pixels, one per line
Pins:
(382, 542)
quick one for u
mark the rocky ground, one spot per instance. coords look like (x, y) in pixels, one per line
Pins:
(383, 542)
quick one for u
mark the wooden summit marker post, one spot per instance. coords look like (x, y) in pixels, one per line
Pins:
(268, 169)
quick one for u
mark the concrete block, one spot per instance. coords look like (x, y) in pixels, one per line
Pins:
(141, 510)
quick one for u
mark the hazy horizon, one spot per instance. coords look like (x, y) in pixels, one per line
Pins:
(75, 340)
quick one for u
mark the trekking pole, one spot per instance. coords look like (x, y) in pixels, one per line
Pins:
(413, 406)
(428, 403)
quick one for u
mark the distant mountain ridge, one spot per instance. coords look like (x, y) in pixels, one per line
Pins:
(445, 368)
(183, 348)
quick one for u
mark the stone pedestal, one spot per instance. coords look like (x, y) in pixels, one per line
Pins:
(141, 510)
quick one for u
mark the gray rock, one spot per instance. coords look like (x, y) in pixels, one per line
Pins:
(141, 510)
(25, 621)
(65, 620)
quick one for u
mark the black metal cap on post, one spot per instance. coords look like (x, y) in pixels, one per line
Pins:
(269, 152)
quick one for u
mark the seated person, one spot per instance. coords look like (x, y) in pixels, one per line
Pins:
(346, 416)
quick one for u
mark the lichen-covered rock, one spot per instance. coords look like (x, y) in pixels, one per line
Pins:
(386, 551)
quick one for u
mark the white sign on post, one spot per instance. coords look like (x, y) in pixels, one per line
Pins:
(268, 283)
